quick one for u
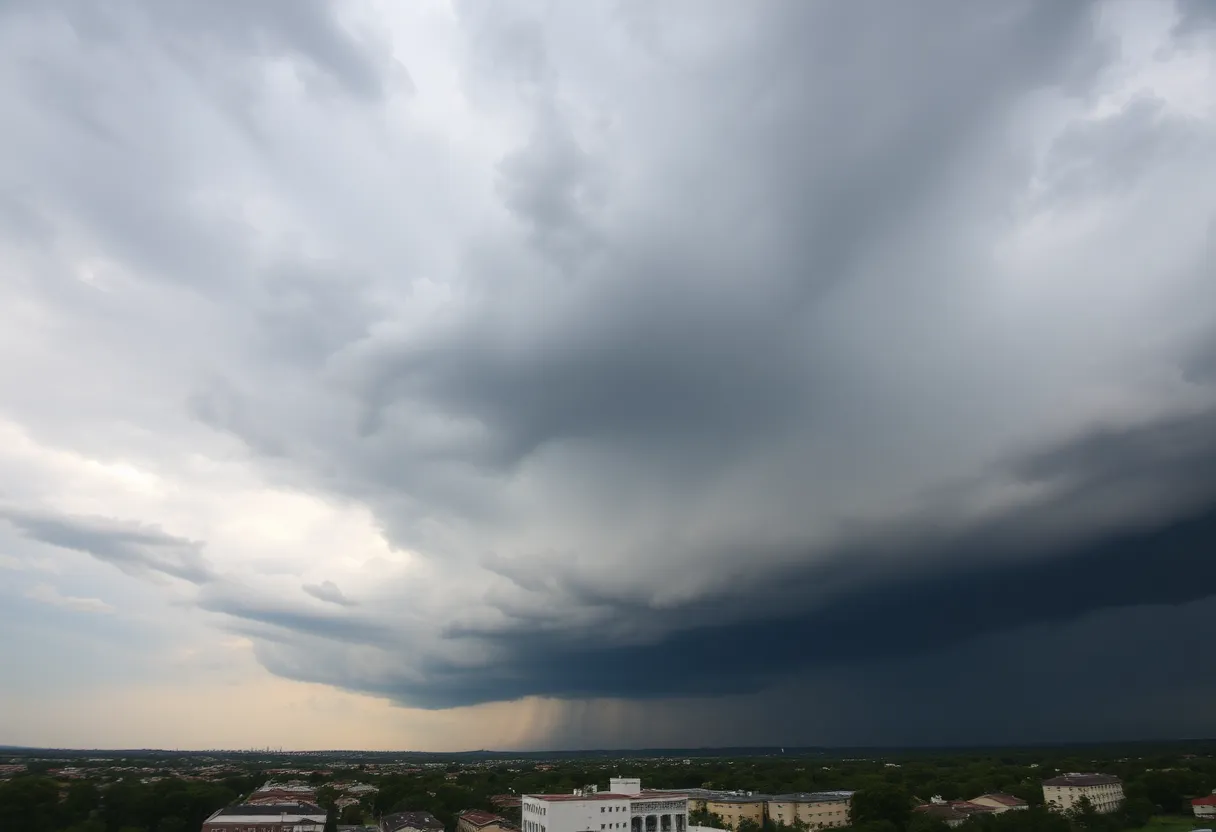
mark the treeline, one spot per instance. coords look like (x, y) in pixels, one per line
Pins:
(1160, 784)
(891, 809)
(37, 803)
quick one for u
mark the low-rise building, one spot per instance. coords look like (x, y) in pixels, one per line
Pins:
(475, 820)
(817, 810)
(1064, 793)
(410, 822)
(738, 807)
(1000, 802)
(624, 807)
(1205, 807)
(252, 817)
(944, 812)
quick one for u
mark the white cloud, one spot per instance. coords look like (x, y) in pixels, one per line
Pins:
(47, 594)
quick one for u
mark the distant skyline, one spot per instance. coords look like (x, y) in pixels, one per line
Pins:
(474, 374)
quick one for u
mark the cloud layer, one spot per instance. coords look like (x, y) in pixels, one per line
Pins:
(621, 354)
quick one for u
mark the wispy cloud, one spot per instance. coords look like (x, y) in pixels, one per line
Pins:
(134, 548)
(47, 594)
(328, 591)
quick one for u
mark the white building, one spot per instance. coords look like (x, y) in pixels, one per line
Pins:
(1205, 807)
(624, 807)
(300, 817)
(1063, 793)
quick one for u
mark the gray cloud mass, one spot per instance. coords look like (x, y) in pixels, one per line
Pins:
(132, 547)
(850, 347)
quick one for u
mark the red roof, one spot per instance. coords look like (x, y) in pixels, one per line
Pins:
(1210, 800)
(480, 818)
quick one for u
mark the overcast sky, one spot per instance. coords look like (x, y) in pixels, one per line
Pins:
(452, 374)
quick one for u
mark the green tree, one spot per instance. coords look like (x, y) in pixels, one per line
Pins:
(924, 822)
(29, 804)
(331, 821)
(171, 823)
(881, 803)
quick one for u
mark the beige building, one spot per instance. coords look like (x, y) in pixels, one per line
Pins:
(735, 808)
(999, 802)
(817, 810)
(1063, 793)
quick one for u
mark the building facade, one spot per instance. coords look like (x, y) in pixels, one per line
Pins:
(296, 817)
(1205, 807)
(1103, 791)
(734, 809)
(625, 807)
(817, 810)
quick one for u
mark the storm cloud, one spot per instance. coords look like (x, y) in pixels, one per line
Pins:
(631, 355)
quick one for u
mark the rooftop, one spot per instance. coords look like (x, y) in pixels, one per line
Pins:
(479, 818)
(814, 797)
(1004, 799)
(270, 809)
(645, 795)
(941, 811)
(1075, 779)
(1207, 800)
(412, 820)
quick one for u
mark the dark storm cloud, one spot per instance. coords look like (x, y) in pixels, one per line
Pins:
(133, 548)
(658, 339)
(907, 596)
(650, 346)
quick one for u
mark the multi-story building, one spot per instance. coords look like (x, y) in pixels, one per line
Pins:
(1103, 791)
(736, 808)
(624, 807)
(248, 817)
(816, 810)
(1205, 807)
